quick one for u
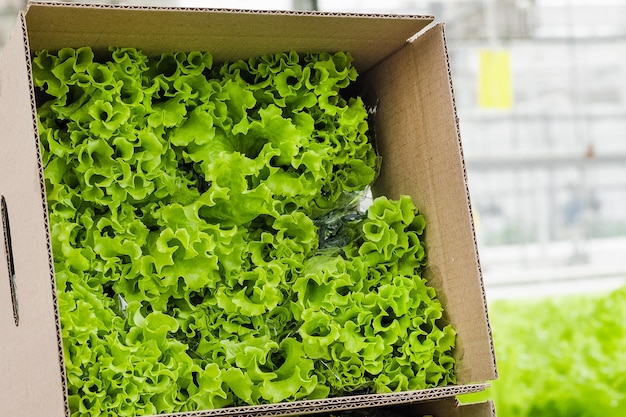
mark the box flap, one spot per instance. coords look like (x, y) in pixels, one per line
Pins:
(450, 407)
(416, 115)
(233, 34)
(30, 354)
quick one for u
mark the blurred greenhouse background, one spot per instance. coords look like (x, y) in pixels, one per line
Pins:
(541, 99)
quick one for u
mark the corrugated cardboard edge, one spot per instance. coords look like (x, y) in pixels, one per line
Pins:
(42, 184)
(469, 204)
(337, 403)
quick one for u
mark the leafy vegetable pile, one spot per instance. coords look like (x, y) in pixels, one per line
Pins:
(560, 357)
(206, 246)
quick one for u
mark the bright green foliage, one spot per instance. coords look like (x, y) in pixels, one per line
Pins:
(205, 240)
(560, 357)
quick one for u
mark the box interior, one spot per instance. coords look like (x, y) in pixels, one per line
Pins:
(416, 128)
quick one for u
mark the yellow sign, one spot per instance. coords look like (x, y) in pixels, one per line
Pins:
(495, 88)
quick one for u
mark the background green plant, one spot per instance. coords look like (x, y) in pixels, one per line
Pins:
(560, 357)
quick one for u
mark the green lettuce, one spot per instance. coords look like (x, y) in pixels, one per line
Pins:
(206, 241)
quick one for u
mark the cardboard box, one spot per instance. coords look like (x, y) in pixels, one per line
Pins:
(402, 59)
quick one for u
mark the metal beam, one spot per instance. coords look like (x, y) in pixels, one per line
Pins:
(305, 5)
(542, 161)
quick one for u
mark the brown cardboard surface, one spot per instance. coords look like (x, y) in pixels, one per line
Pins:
(417, 134)
(31, 382)
(418, 139)
(228, 34)
(484, 409)
(449, 407)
